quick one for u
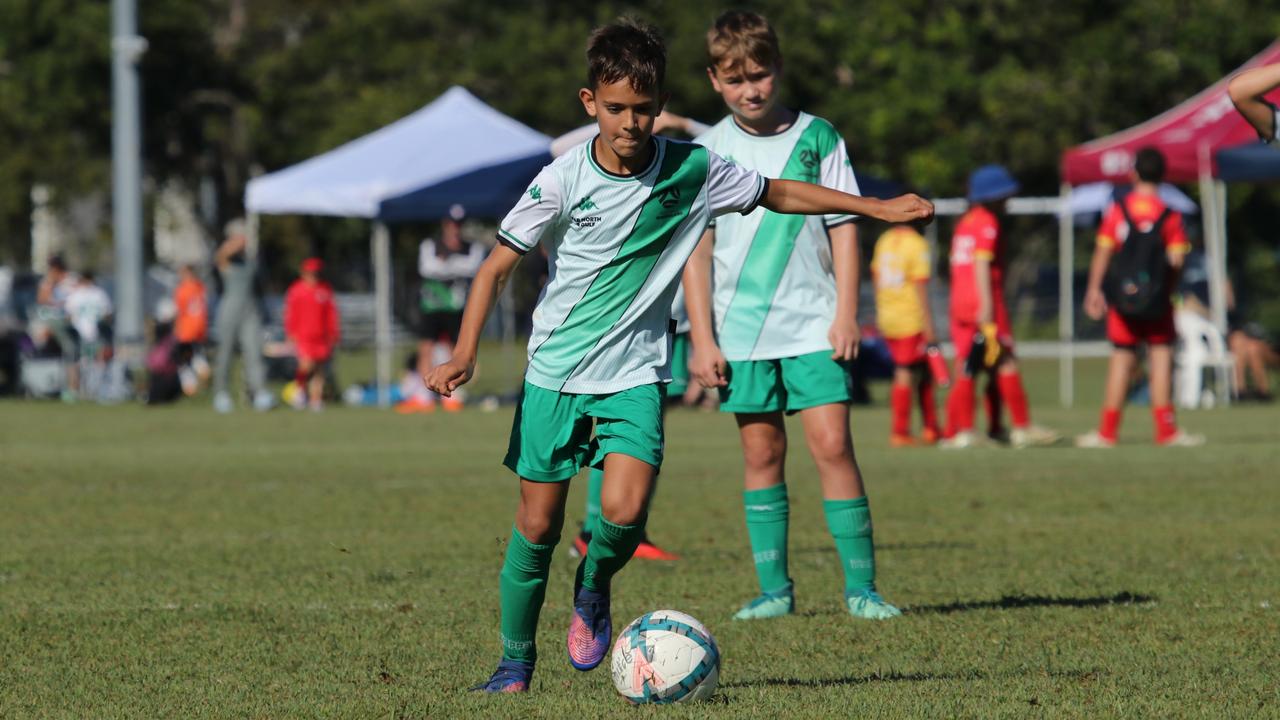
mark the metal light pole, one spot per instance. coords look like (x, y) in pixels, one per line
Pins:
(126, 175)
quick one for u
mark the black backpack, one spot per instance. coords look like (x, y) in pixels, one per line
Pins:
(1137, 280)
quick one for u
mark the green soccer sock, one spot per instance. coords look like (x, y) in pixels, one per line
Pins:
(523, 584)
(850, 525)
(610, 548)
(767, 519)
(595, 481)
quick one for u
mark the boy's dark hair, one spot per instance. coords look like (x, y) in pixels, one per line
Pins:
(630, 50)
(740, 35)
(1149, 165)
(55, 262)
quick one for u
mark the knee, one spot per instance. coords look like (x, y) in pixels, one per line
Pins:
(765, 454)
(538, 526)
(829, 446)
(626, 510)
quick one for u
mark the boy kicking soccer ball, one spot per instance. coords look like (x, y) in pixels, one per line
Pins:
(620, 215)
(785, 318)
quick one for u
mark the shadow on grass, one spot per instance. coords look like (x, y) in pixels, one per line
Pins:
(1013, 602)
(902, 677)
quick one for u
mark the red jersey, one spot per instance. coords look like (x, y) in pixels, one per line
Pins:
(1144, 209)
(977, 236)
(310, 314)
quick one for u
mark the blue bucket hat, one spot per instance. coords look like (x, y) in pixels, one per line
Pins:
(991, 182)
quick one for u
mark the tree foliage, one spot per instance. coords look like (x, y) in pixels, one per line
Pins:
(923, 90)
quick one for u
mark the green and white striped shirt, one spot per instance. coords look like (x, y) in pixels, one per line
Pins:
(774, 287)
(617, 246)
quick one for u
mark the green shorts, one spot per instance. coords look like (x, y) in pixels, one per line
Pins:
(788, 384)
(679, 366)
(551, 439)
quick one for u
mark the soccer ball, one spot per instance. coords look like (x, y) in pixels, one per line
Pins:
(664, 657)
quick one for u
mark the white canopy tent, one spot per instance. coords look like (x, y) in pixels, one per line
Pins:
(454, 150)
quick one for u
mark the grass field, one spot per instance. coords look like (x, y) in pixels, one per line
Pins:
(177, 563)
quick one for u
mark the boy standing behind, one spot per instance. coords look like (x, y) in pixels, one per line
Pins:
(1139, 218)
(785, 318)
(900, 268)
(620, 215)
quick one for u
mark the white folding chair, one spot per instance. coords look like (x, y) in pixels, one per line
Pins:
(1201, 349)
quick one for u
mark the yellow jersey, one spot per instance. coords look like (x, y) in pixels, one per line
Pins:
(901, 260)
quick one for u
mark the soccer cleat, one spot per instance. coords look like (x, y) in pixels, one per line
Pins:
(590, 630)
(512, 676)
(646, 550)
(963, 440)
(929, 436)
(901, 441)
(868, 605)
(769, 605)
(1182, 439)
(1033, 436)
(451, 404)
(263, 401)
(1094, 440)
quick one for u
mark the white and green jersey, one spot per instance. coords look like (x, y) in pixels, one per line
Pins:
(773, 285)
(617, 247)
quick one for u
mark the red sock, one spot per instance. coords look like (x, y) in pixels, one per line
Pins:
(1014, 394)
(960, 406)
(992, 403)
(928, 409)
(1110, 425)
(900, 402)
(1166, 422)
(300, 377)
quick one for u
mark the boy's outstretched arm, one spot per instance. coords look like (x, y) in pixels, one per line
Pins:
(488, 284)
(1246, 91)
(801, 198)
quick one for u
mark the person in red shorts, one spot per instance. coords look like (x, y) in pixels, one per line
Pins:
(900, 267)
(1141, 210)
(311, 323)
(978, 309)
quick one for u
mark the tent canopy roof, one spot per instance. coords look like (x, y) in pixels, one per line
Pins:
(454, 149)
(1187, 134)
(1249, 162)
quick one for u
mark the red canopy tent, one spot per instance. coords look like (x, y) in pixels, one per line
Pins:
(1189, 135)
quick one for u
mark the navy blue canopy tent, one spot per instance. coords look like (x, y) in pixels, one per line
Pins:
(1251, 162)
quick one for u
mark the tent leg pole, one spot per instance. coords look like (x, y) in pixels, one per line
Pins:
(382, 310)
(1066, 299)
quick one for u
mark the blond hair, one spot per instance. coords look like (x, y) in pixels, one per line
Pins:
(740, 35)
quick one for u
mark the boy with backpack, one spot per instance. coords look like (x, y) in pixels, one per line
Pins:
(1139, 254)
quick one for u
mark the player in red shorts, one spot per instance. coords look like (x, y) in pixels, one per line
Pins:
(978, 308)
(311, 323)
(1143, 211)
(900, 267)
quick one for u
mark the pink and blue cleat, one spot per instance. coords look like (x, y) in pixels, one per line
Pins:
(591, 628)
(512, 676)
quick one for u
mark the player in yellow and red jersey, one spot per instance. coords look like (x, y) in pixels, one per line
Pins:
(900, 267)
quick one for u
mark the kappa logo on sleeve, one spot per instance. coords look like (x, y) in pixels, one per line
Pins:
(535, 193)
